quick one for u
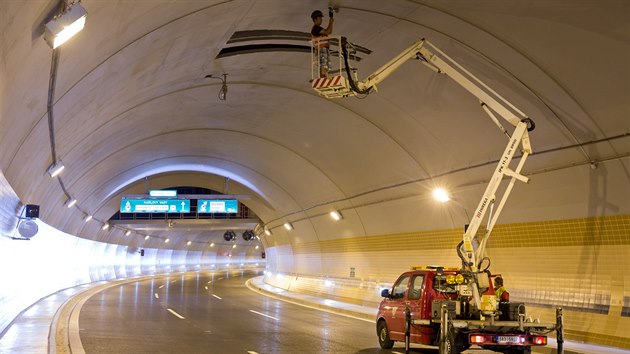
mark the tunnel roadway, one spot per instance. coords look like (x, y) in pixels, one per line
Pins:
(213, 312)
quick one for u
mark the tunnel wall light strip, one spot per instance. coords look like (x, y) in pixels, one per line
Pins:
(70, 202)
(55, 169)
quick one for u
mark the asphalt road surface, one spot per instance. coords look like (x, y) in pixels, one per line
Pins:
(213, 312)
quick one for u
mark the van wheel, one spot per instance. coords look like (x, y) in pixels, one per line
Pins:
(383, 335)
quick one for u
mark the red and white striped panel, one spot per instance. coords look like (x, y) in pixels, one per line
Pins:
(327, 81)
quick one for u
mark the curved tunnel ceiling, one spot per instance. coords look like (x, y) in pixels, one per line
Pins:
(132, 101)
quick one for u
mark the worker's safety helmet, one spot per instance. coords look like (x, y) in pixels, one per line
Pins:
(316, 14)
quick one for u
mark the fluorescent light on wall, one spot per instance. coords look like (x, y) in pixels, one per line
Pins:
(65, 26)
(70, 202)
(55, 169)
(336, 215)
(288, 226)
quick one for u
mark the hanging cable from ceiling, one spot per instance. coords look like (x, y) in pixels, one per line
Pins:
(224, 89)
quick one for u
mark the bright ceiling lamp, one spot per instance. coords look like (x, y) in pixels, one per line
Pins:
(70, 202)
(87, 218)
(167, 240)
(441, 195)
(267, 232)
(188, 243)
(288, 226)
(128, 233)
(55, 169)
(105, 226)
(65, 25)
(336, 215)
(146, 237)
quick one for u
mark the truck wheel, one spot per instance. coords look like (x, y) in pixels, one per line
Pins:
(383, 335)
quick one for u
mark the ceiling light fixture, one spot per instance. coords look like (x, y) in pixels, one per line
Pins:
(288, 226)
(87, 218)
(188, 243)
(336, 215)
(441, 195)
(70, 202)
(128, 233)
(146, 237)
(65, 25)
(267, 232)
(167, 240)
(105, 226)
(55, 169)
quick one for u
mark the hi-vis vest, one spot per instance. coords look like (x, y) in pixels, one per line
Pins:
(320, 43)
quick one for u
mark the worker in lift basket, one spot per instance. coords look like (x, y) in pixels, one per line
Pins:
(500, 291)
(322, 46)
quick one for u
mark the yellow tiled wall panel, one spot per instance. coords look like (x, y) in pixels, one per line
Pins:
(580, 264)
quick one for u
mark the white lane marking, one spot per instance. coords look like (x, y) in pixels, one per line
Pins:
(217, 297)
(262, 314)
(175, 313)
(156, 295)
(161, 286)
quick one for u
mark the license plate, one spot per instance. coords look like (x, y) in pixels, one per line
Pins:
(507, 339)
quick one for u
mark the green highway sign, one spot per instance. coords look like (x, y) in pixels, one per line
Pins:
(155, 206)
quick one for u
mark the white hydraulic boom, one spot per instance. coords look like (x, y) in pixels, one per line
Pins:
(491, 102)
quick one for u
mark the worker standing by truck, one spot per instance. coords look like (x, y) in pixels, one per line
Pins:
(500, 291)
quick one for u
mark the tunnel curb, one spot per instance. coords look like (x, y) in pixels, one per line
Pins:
(256, 285)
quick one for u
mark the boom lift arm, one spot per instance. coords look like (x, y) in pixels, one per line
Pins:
(493, 104)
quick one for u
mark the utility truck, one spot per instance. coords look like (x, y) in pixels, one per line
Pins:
(453, 308)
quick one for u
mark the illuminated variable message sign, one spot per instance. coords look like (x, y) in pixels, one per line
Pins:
(217, 206)
(155, 206)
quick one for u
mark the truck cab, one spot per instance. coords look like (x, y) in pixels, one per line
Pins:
(416, 290)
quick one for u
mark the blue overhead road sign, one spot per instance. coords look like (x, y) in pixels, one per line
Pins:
(155, 206)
